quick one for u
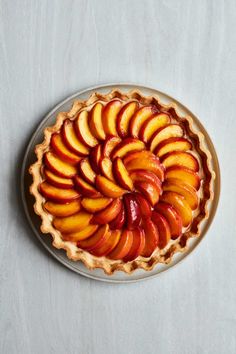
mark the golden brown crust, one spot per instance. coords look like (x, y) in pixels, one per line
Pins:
(159, 256)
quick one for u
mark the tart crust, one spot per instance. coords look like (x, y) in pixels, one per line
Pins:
(159, 256)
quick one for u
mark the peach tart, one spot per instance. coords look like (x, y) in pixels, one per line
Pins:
(121, 181)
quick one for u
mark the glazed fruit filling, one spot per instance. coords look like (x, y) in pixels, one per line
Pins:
(121, 180)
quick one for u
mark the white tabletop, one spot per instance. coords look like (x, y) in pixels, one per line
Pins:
(50, 49)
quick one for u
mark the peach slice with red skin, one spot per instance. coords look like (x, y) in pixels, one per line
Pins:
(145, 176)
(163, 229)
(137, 245)
(124, 117)
(62, 210)
(86, 171)
(180, 158)
(144, 154)
(58, 195)
(151, 237)
(145, 207)
(109, 145)
(95, 241)
(72, 223)
(123, 247)
(133, 212)
(95, 158)
(149, 190)
(139, 118)
(85, 189)
(180, 204)
(172, 217)
(184, 174)
(121, 174)
(172, 144)
(178, 186)
(109, 245)
(108, 214)
(57, 181)
(80, 235)
(151, 164)
(119, 220)
(109, 116)
(71, 140)
(83, 131)
(94, 205)
(62, 151)
(169, 131)
(126, 146)
(95, 121)
(59, 167)
(108, 188)
(152, 124)
(106, 168)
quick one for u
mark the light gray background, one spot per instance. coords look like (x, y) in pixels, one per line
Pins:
(50, 49)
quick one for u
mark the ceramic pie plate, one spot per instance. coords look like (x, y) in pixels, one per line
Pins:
(35, 221)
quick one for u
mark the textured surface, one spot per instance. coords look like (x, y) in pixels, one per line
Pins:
(48, 50)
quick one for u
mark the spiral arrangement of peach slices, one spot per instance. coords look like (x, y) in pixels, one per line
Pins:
(120, 180)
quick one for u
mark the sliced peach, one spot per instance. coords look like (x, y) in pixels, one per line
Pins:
(94, 205)
(106, 168)
(178, 186)
(57, 181)
(95, 158)
(163, 229)
(109, 213)
(62, 151)
(119, 220)
(109, 145)
(188, 176)
(123, 247)
(180, 204)
(145, 176)
(58, 195)
(124, 118)
(180, 158)
(133, 212)
(108, 188)
(172, 144)
(137, 245)
(121, 174)
(95, 241)
(63, 209)
(95, 121)
(71, 140)
(172, 217)
(126, 146)
(169, 131)
(150, 191)
(83, 131)
(72, 223)
(59, 167)
(109, 116)
(86, 171)
(144, 154)
(152, 124)
(80, 235)
(139, 118)
(150, 164)
(145, 206)
(85, 188)
(109, 245)
(151, 237)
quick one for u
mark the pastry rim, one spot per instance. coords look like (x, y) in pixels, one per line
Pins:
(159, 256)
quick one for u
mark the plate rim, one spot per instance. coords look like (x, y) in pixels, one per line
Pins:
(106, 278)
